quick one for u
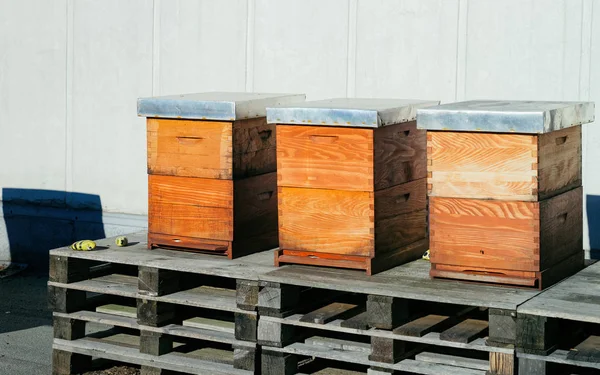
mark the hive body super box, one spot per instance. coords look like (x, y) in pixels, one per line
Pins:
(211, 171)
(351, 178)
(504, 185)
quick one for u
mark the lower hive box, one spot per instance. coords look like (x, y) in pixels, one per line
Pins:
(234, 217)
(532, 244)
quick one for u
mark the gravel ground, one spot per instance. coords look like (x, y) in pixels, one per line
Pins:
(118, 370)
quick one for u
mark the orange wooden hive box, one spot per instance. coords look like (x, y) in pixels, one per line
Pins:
(211, 171)
(505, 195)
(351, 183)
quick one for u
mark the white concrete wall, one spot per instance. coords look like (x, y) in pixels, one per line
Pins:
(71, 70)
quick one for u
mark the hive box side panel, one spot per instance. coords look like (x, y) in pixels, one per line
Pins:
(559, 162)
(479, 233)
(172, 211)
(561, 232)
(254, 147)
(400, 154)
(255, 214)
(482, 166)
(400, 215)
(190, 148)
(325, 157)
(327, 221)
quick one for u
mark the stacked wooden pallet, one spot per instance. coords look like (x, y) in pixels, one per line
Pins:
(161, 310)
(558, 331)
(397, 320)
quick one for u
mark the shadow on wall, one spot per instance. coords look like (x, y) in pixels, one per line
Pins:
(593, 215)
(40, 220)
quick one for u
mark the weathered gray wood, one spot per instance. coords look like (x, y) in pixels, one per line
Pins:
(465, 331)
(154, 313)
(536, 366)
(386, 350)
(414, 279)
(207, 297)
(576, 298)
(536, 334)
(246, 326)
(386, 312)
(557, 356)
(65, 300)
(359, 321)
(211, 354)
(210, 324)
(587, 351)
(68, 270)
(120, 310)
(379, 371)
(171, 329)
(246, 268)
(67, 363)
(155, 343)
(339, 344)
(432, 338)
(247, 294)
(245, 358)
(408, 365)
(273, 333)
(68, 329)
(118, 285)
(422, 326)
(445, 359)
(502, 327)
(335, 310)
(157, 282)
(278, 363)
(125, 354)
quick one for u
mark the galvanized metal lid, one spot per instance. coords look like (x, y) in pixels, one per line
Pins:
(351, 112)
(229, 106)
(505, 116)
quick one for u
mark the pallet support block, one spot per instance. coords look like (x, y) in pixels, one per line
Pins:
(276, 298)
(246, 326)
(502, 327)
(277, 363)
(68, 270)
(157, 282)
(68, 329)
(386, 350)
(245, 358)
(275, 334)
(65, 300)
(386, 312)
(246, 294)
(155, 343)
(536, 334)
(154, 313)
(67, 363)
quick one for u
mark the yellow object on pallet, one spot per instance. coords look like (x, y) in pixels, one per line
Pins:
(426, 255)
(121, 241)
(83, 245)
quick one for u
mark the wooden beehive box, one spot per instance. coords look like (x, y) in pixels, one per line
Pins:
(504, 185)
(211, 171)
(351, 179)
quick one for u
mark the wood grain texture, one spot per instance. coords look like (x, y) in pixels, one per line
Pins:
(400, 154)
(401, 199)
(190, 148)
(503, 364)
(482, 165)
(325, 157)
(479, 233)
(254, 147)
(559, 165)
(191, 207)
(328, 221)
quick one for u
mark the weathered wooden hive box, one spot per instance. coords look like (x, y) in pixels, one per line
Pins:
(504, 185)
(211, 171)
(351, 179)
